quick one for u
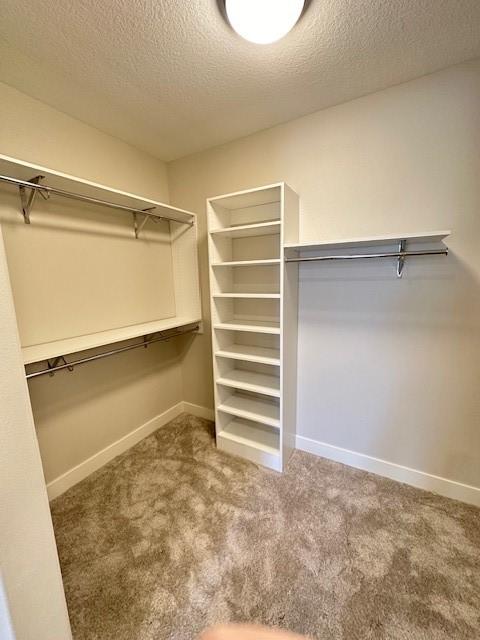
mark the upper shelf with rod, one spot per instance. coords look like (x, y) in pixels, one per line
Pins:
(334, 250)
(32, 180)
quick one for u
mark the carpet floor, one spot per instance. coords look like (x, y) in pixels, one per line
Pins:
(174, 535)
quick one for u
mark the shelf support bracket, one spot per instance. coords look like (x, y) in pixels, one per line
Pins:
(53, 364)
(402, 245)
(27, 201)
(139, 227)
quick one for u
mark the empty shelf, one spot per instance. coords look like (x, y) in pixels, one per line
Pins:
(255, 326)
(57, 180)
(250, 353)
(266, 296)
(48, 350)
(251, 381)
(252, 408)
(250, 197)
(249, 230)
(371, 241)
(246, 263)
(252, 435)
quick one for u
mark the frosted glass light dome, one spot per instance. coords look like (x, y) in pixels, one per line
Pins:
(263, 21)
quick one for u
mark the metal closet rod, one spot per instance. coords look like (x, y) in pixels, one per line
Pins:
(76, 196)
(359, 256)
(69, 365)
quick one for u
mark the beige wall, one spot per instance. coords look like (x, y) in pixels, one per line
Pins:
(388, 368)
(68, 282)
(29, 567)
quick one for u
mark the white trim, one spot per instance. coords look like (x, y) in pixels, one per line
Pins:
(420, 479)
(59, 485)
(199, 411)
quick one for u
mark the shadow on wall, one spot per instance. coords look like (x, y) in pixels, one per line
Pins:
(396, 363)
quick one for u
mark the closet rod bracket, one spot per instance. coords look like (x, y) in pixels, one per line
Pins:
(28, 200)
(138, 227)
(54, 364)
(401, 258)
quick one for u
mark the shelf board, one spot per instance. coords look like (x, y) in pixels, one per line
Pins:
(255, 326)
(267, 296)
(371, 241)
(255, 409)
(250, 197)
(251, 381)
(249, 353)
(21, 170)
(247, 263)
(49, 350)
(257, 436)
(249, 230)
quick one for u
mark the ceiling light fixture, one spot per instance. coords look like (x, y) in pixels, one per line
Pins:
(263, 21)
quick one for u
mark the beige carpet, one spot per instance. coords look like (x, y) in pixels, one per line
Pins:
(174, 535)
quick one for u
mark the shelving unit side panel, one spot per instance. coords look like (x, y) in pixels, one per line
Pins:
(289, 328)
(290, 215)
(214, 221)
(186, 277)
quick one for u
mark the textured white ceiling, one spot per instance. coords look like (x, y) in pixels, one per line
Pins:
(170, 77)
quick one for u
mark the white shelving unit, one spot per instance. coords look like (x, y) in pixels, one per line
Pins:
(182, 229)
(254, 308)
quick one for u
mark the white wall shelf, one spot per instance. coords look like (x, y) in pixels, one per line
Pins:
(248, 199)
(254, 436)
(249, 230)
(253, 296)
(50, 350)
(18, 169)
(257, 326)
(251, 381)
(256, 409)
(253, 311)
(247, 263)
(398, 246)
(257, 442)
(250, 353)
(370, 241)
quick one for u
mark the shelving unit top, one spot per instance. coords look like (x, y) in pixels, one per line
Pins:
(249, 198)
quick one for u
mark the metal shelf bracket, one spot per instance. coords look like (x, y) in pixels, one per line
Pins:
(28, 200)
(138, 227)
(401, 259)
(56, 363)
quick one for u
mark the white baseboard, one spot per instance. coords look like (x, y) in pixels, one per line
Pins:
(419, 479)
(81, 471)
(199, 411)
